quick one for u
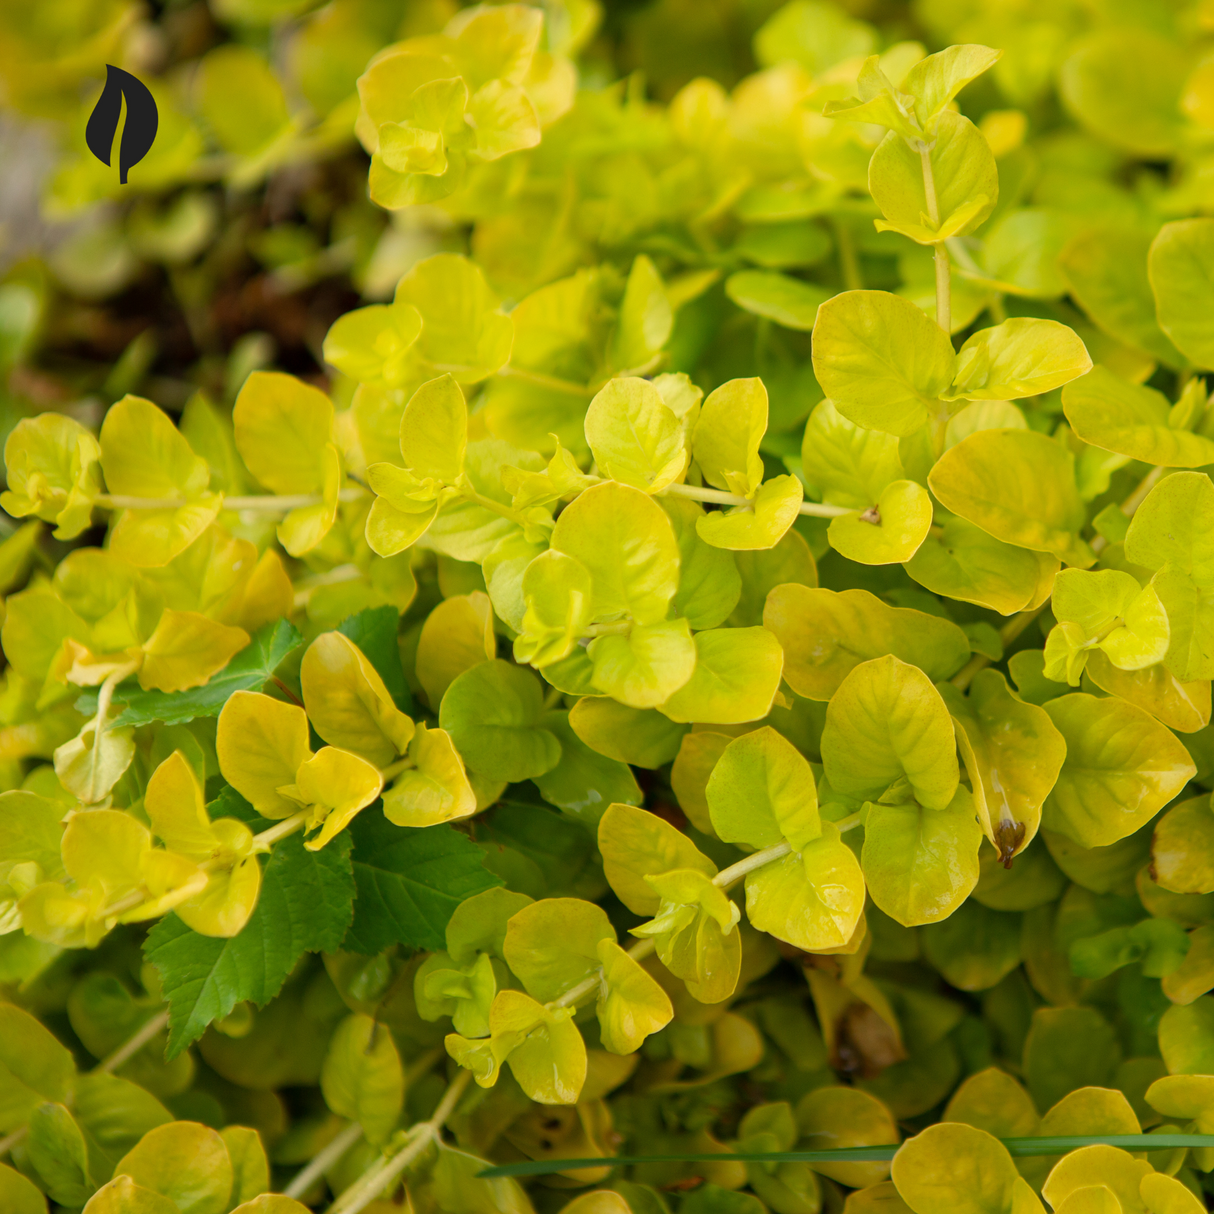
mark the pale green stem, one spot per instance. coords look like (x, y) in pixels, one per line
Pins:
(262, 842)
(378, 1177)
(616, 628)
(541, 380)
(394, 769)
(105, 697)
(124, 1053)
(943, 285)
(323, 1161)
(849, 263)
(280, 830)
(724, 879)
(699, 494)
(1007, 634)
(267, 502)
(507, 512)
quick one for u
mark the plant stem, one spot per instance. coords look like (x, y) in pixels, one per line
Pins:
(725, 878)
(699, 494)
(323, 1160)
(1007, 634)
(261, 842)
(735, 872)
(849, 263)
(545, 381)
(269, 502)
(377, 1178)
(944, 308)
(124, 1053)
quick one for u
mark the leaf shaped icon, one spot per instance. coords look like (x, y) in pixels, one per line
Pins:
(142, 119)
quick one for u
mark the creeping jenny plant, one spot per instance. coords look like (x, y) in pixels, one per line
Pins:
(719, 668)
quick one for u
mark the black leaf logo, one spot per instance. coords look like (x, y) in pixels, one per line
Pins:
(142, 119)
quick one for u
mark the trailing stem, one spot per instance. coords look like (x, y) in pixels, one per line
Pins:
(381, 1174)
(944, 310)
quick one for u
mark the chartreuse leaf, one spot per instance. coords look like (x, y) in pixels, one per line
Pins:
(304, 905)
(890, 531)
(1180, 264)
(1018, 486)
(123, 1196)
(639, 736)
(175, 806)
(185, 650)
(542, 1046)
(1106, 269)
(58, 1152)
(735, 679)
(842, 1116)
(492, 713)
(554, 945)
(966, 563)
(761, 523)
(34, 1067)
(881, 360)
(250, 670)
(959, 1168)
(1182, 848)
(348, 704)
(362, 1078)
(372, 344)
(788, 301)
(656, 870)
(463, 331)
(1184, 707)
(1013, 754)
(887, 723)
(726, 440)
(625, 541)
(920, 864)
(826, 633)
(559, 600)
(1170, 534)
(812, 898)
(762, 791)
(1097, 1167)
(634, 437)
(848, 464)
(262, 743)
(644, 320)
(20, 1195)
(964, 175)
(934, 81)
(1106, 610)
(54, 472)
(1121, 768)
(184, 1161)
(436, 787)
(710, 583)
(284, 432)
(647, 666)
(1023, 356)
(1132, 420)
(144, 455)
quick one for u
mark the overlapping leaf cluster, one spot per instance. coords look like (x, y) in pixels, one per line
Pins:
(726, 667)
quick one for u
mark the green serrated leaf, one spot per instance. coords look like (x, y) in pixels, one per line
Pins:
(306, 905)
(409, 881)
